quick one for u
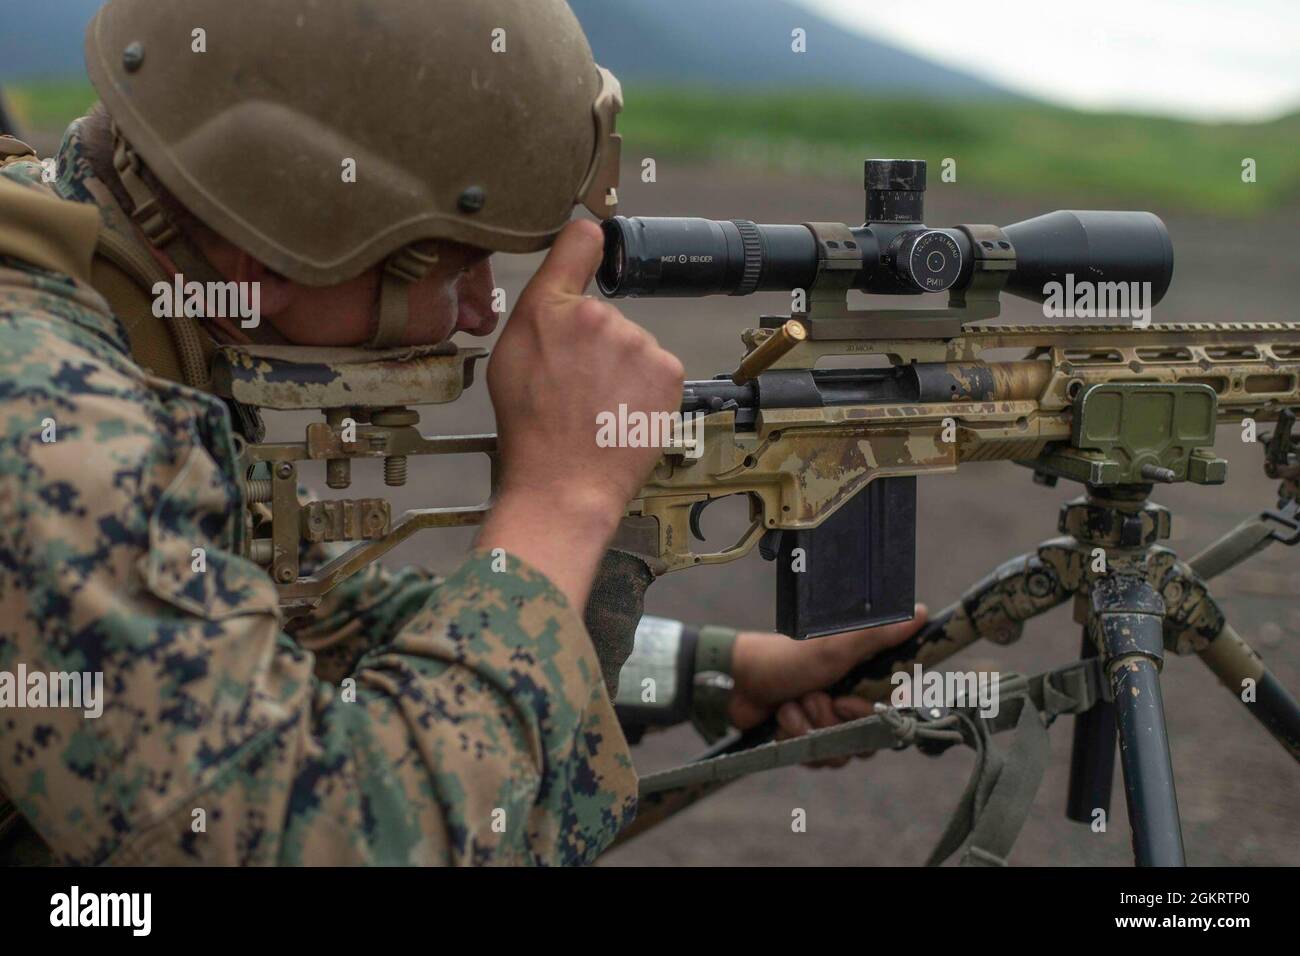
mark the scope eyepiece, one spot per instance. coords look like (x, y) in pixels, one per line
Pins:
(694, 257)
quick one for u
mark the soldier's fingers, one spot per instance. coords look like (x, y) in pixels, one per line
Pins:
(791, 720)
(831, 763)
(816, 712)
(852, 708)
(794, 719)
(571, 263)
(817, 705)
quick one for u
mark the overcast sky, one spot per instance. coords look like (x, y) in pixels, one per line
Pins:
(1211, 59)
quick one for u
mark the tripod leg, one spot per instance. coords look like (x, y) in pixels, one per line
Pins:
(1234, 663)
(1195, 622)
(1127, 615)
(1092, 756)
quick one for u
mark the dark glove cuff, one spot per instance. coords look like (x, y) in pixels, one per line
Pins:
(712, 683)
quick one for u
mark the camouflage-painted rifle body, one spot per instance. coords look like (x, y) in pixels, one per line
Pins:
(797, 465)
(940, 402)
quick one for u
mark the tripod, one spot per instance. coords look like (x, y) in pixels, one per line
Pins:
(1136, 601)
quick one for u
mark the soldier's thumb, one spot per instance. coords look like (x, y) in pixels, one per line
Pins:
(571, 263)
(853, 647)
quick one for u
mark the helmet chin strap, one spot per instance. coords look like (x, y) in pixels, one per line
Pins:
(403, 269)
(152, 219)
(148, 214)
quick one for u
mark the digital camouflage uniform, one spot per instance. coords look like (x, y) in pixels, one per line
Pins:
(481, 730)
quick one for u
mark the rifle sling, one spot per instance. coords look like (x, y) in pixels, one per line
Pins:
(1247, 539)
(1001, 790)
(993, 808)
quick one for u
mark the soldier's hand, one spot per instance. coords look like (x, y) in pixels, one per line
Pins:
(777, 675)
(562, 361)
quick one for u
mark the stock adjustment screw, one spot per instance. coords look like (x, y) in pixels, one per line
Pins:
(338, 473)
(395, 471)
(393, 418)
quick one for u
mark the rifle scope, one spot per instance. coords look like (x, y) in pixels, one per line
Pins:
(899, 254)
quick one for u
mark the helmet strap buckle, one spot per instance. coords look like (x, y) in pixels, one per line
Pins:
(148, 213)
(402, 270)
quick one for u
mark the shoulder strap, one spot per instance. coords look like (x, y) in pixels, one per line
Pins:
(125, 275)
(39, 228)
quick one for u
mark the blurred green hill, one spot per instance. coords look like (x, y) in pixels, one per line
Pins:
(47, 105)
(1001, 146)
(1027, 148)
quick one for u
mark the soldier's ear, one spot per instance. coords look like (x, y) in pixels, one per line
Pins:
(277, 292)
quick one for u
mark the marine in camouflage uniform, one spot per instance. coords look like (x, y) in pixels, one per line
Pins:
(405, 719)
(478, 698)
(479, 729)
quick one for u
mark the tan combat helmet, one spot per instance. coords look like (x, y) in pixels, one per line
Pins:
(482, 123)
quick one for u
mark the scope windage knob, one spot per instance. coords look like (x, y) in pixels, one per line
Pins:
(926, 260)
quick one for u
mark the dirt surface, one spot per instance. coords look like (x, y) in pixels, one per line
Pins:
(1237, 788)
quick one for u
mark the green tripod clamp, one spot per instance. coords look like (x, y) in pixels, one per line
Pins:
(1138, 433)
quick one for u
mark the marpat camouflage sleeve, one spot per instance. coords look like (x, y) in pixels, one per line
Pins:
(361, 613)
(481, 733)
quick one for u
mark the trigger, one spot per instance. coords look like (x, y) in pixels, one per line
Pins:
(697, 509)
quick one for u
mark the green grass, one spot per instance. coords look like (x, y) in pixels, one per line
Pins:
(1027, 149)
(49, 105)
(1022, 148)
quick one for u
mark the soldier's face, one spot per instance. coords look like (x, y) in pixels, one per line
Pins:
(455, 296)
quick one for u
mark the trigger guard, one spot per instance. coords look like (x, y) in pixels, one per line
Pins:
(697, 510)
